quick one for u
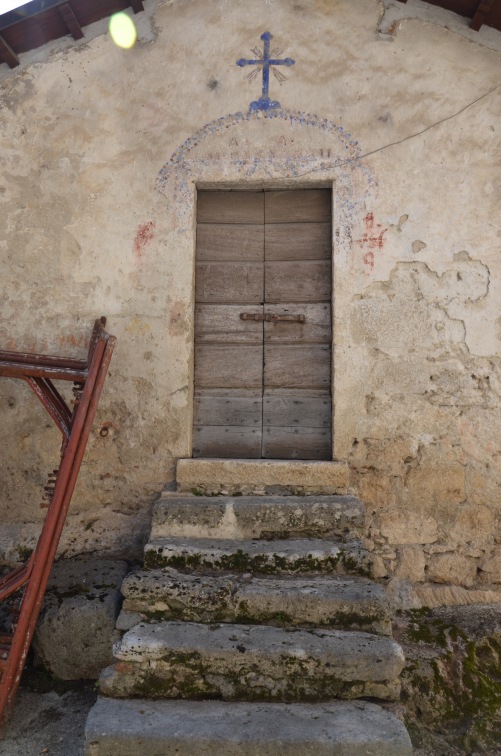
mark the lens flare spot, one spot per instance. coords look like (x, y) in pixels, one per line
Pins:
(123, 31)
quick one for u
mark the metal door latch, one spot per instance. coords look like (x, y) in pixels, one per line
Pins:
(269, 318)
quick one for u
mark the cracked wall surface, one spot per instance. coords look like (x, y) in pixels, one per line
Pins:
(100, 153)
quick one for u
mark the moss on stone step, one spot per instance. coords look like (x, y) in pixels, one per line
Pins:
(240, 561)
(451, 685)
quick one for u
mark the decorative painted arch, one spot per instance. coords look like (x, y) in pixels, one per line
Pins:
(274, 148)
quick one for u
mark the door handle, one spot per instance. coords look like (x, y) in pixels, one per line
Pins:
(269, 318)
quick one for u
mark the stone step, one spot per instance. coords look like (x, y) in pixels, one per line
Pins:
(262, 476)
(249, 517)
(266, 557)
(205, 728)
(336, 602)
(252, 662)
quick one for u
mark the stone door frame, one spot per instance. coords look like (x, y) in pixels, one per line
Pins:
(283, 149)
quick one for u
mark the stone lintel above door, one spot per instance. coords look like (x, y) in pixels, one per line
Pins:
(258, 476)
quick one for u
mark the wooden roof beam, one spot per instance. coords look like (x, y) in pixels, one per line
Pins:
(70, 21)
(137, 5)
(7, 53)
(483, 10)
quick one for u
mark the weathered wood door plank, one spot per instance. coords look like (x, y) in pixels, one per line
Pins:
(230, 207)
(219, 441)
(222, 324)
(315, 329)
(263, 388)
(301, 366)
(298, 241)
(242, 411)
(297, 412)
(298, 281)
(298, 206)
(237, 242)
(296, 443)
(228, 366)
(229, 282)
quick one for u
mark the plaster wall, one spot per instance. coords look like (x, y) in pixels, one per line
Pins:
(101, 152)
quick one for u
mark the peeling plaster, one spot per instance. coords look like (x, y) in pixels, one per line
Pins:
(92, 224)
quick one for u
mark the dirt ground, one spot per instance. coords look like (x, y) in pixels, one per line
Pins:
(48, 718)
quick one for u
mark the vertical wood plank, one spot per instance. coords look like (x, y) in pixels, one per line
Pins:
(301, 366)
(298, 206)
(296, 443)
(315, 329)
(298, 281)
(223, 324)
(298, 241)
(219, 241)
(228, 408)
(297, 411)
(220, 441)
(228, 366)
(229, 282)
(230, 207)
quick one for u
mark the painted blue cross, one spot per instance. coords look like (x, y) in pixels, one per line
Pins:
(264, 102)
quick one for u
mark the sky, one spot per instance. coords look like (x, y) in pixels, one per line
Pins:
(7, 5)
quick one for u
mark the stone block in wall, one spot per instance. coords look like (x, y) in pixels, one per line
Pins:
(492, 568)
(442, 484)
(378, 568)
(384, 455)
(76, 627)
(401, 526)
(453, 569)
(375, 487)
(411, 564)
(473, 523)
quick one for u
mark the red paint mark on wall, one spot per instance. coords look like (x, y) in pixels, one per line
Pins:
(73, 341)
(144, 234)
(64, 343)
(33, 346)
(372, 240)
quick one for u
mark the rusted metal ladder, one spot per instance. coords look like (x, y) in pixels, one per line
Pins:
(29, 581)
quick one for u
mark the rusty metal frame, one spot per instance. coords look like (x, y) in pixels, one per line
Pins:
(38, 371)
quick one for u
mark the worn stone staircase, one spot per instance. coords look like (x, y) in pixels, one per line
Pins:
(252, 619)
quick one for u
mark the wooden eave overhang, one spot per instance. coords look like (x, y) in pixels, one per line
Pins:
(479, 12)
(41, 21)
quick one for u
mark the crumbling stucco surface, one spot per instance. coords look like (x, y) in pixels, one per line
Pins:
(101, 151)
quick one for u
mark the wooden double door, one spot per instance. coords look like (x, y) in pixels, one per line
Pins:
(263, 325)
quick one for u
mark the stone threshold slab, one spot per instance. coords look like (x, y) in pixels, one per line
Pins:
(150, 728)
(262, 476)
